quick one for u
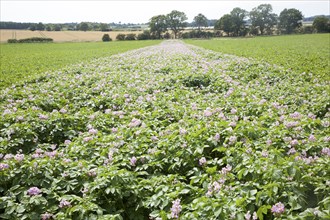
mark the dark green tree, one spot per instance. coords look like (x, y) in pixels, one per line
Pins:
(176, 21)
(200, 21)
(263, 19)
(83, 26)
(158, 25)
(120, 37)
(106, 38)
(225, 23)
(57, 27)
(104, 27)
(144, 36)
(130, 37)
(238, 15)
(321, 24)
(33, 27)
(290, 20)
(40, 26)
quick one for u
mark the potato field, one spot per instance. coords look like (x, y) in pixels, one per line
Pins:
(168, 131)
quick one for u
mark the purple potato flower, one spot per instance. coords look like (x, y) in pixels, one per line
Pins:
(46, 216)
(33, 191)
(133, 161)
(278, 209)
(176, 209)
(202, 161)
(3, 166)
(64, 203)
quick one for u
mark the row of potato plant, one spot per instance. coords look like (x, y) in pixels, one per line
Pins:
(166, 132)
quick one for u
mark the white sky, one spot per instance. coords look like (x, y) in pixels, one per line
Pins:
(136, 11)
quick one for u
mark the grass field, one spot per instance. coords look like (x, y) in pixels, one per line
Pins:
(20, 62)
(302, 53)
(61, 36)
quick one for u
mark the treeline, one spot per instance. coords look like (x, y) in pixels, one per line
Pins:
(15, 25)
(259, 21)
(82, 26)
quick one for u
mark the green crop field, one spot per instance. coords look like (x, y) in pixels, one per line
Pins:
(169, 131)
(21, 62)
(308, 53)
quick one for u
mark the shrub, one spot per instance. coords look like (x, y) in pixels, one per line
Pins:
(106, 38)
(120, 37)
(197, 34)
(307, 30)
(322, 24)
(31, 40)
(12, 41)
(130, 37)
(144, 36)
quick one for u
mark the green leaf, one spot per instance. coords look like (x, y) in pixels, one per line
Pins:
(218, 212)
(263, 210)
(20, 209)
(211, 170)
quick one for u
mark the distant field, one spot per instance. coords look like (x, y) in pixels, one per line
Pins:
(303, 53)
(20, 62)
(61, 36)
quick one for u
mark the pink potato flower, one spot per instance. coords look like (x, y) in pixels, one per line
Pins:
(33, 191)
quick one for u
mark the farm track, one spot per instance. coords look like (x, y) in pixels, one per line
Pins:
(166, 130)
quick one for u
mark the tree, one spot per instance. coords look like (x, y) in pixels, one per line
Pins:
(200, 21)
(238, 15)
(104, 27)
(321, 24)
(40, 26)
(83, 26)
(144, 36)
(158, 25)
(176, 21)
(57, 27)
(262, 18)
(225, 23)
(120, 37)
(290, 19)
(130, 37)
(106, 38)
(33, 27)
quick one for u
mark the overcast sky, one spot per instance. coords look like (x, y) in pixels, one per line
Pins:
(62, 11)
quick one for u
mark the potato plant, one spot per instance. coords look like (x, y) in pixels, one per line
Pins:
(166, 132)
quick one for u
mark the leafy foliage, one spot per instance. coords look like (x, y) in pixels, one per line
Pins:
(120, 37)
(238, 15)
(158, 25)
(106, 38)
(263, 18)
(170, 131)
(200, 21)
(27, 62)
(176, 21)
(290, 20)
(225, 23)
(130, 37)
(306, 54)
(31, 40)
(322, 24)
